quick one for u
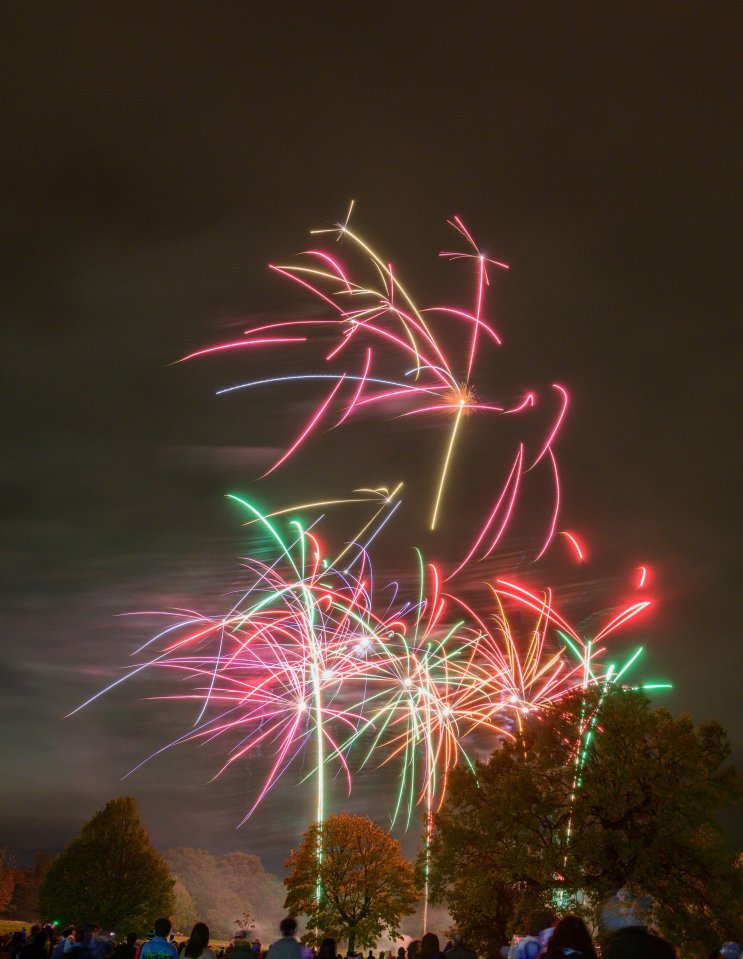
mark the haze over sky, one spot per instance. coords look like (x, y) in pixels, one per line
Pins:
(157, 156)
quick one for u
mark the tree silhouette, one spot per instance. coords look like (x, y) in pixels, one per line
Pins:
(109, 875)
(644, 817)
(7, 880)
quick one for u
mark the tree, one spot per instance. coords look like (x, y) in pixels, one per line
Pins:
(7, 880)
(496, 848)
(25, 904)
(646, 818)
(110, 874)
(643, 817)
(246, 922)
(367, 886)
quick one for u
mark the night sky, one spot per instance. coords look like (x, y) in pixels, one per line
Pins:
(155, 158)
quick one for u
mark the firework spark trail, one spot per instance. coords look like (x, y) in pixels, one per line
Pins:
(383, 320)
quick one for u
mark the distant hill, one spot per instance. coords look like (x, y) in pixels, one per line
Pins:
(221, 889)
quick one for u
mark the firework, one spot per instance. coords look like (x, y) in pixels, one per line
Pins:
(389, 331)
(267, 674)
(308, 664)
(305, 653)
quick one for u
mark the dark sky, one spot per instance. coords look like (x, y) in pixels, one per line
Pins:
(155, 157)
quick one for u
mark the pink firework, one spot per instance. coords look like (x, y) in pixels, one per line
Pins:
(388, 330)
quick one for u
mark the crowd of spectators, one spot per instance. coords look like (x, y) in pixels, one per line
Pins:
(623, 933)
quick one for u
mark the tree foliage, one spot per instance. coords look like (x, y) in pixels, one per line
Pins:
(643, 817)
(646, 817)
(367, 885)
(7, 880)
(497, 846)
(109, 875)
(223, 889)
(25, 902)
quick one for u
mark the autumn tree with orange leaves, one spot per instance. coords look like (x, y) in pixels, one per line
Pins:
(367, 886)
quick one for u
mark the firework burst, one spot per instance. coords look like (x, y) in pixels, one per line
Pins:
(389, 331)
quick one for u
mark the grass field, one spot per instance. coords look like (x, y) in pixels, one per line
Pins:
(11, 925)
